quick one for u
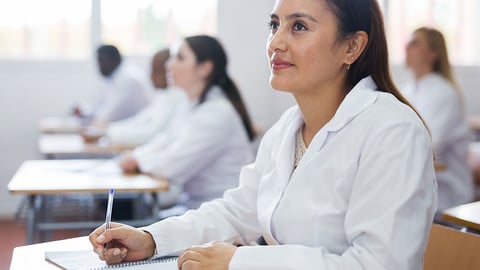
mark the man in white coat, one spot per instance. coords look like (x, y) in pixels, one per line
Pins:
(124, 90)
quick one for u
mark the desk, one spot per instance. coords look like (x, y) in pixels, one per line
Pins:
(33, 256)
(467, 215)
(58, 146)
(37, 178)
(60, 125)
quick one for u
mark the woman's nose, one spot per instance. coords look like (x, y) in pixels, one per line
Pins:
(277, 41)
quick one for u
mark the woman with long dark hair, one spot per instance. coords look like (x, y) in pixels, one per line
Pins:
(344, 180)
(208, 141)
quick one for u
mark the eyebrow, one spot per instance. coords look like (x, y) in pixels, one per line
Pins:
(295, 16)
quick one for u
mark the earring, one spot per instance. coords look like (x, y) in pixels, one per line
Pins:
(350, 62)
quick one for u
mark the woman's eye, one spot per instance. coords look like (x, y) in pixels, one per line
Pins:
(273, 25)
(299, 27)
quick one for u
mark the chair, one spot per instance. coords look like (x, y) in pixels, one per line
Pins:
(451, 249)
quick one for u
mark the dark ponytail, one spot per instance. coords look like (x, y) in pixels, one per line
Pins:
(208, 48)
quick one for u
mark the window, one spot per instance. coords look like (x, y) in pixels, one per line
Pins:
(59, 29)
(142, 27)
(458, 20)
(44, 29)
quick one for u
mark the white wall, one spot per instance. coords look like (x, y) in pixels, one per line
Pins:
(31, 90)
(243, 29)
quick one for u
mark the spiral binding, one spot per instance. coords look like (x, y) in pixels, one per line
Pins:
(134, 263)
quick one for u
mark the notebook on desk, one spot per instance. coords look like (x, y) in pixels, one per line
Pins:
(88, 260)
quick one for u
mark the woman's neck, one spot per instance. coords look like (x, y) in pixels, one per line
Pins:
(318, 108)
(195, 91)
(421, 72)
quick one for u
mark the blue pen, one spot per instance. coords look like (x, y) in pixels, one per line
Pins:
(108, 217)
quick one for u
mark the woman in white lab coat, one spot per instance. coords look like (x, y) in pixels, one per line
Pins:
(437, 98)
(344, 180)
(208, 140)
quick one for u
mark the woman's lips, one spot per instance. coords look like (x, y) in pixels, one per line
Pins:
(278, 64)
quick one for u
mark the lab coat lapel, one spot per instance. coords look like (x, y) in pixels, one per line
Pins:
(357, 100)
(277, 176)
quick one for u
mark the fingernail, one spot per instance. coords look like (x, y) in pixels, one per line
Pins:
(100, 239)
(124, 253)
(98, 251)
(116, 252)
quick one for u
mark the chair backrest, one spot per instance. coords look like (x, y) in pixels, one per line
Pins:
(451, 249)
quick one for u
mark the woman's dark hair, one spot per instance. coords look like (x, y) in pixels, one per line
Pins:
(207, 48)
(365, 15)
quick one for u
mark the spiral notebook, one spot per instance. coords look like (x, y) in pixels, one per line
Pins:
(88, 260)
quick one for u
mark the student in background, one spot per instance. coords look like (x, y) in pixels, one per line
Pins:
(153, 119)
(208, 139)
(344, 180)
(435, 94)
(125, 90)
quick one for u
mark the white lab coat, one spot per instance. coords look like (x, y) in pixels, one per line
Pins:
(362, 197)
(202, 150)
(150, 121)
(123, 94)
(439, 105)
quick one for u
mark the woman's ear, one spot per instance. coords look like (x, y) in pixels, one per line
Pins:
(205, 68)
(356, 45)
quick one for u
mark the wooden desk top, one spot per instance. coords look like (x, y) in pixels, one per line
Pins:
(33, 256)
(73, 144)
(79, 176)
(60, 125)
(467, 215)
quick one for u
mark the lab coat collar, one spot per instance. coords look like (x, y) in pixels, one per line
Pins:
(214, 92)
(360, 97)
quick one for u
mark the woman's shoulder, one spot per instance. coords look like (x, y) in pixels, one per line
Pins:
(387, 110)
(438, 86)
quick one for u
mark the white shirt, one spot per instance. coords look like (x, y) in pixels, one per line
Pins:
(439, 105)
(362, 197)
(203, 149)
(153, 119)
(124, 94)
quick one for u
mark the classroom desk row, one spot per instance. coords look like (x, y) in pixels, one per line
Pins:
(39, 178)
(72, 146)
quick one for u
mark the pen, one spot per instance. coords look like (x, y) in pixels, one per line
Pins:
(108, 217)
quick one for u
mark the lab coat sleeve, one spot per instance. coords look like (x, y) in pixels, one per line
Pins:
(207, 131)
(144, 125)
(113, 106)
(389, 213)
(232, 218)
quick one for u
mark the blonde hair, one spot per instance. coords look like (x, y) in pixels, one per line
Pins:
(441, 65)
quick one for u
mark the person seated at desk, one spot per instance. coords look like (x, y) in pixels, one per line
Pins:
(124, 92)
(143, 126)
(344, 180)
(438, 99)
(208, 139)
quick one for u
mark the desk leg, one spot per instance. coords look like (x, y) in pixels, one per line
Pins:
(31, 219)
(155, 207)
